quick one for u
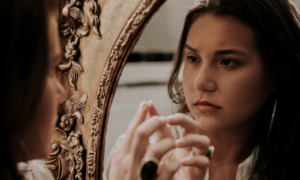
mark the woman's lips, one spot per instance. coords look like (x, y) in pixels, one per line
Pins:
(206, 107)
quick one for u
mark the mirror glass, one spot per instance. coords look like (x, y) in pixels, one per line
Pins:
(147, 70)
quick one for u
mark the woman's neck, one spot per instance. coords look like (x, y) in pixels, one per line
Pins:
(232, 147)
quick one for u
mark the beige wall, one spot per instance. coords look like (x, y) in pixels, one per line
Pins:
(297, 2)
(163, 31)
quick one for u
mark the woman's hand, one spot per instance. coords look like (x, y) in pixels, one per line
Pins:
(193, 167)
(126, 160)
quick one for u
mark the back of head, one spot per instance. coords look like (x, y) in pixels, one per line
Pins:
(277, 27)
(24, 65)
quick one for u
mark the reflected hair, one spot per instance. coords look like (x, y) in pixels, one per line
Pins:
(276, 24)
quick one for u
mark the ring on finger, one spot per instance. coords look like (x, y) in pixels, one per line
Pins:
(149, 168)
(210, 152)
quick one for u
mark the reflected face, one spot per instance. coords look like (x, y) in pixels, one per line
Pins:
(225, 82)
(39, 132)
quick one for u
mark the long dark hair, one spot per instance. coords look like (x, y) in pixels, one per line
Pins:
(23, 68)
(277, 27)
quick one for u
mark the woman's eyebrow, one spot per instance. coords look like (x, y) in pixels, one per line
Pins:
(231, 51)
(221, 52)
(190, 48)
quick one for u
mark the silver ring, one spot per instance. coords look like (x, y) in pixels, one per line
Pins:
(210, 152)
(149, 168)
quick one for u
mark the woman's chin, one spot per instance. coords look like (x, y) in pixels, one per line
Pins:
(210, 125)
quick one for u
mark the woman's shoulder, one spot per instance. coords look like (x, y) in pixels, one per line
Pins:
(34, 170)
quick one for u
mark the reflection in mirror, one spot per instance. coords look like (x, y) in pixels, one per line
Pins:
(147, 70)
(297, 2)
(243, 79)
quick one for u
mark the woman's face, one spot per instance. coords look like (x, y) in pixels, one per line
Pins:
(38, 133)
(225, 82)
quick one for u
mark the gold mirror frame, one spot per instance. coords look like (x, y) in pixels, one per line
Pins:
(96, 39)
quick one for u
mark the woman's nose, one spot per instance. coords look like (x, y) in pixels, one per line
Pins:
(204, 80)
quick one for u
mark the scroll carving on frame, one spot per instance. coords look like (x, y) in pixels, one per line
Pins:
(91, 66)
(80, 17)
(66, 160)
(127, 35)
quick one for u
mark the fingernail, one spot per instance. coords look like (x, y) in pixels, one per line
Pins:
(179, 142)
(185, 160)
(162, 118)
(169, 116)
(143, 105)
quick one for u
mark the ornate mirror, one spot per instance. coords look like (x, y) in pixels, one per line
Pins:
(147, 70)
(96, 39)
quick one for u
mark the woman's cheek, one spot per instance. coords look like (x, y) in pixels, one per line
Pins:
(189, 75)
(50, 110)
(243, 94)
(240, 94)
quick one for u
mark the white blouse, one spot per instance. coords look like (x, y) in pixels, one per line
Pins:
(34, 170)
(243, 173)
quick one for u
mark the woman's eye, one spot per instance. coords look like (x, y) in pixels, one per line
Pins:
(227, 62)
(192, 58)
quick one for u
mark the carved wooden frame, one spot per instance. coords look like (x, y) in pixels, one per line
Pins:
(79, 141)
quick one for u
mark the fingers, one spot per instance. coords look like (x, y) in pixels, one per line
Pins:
(187, 123)
(152, 110)
(142, 134)
(138, 119)
(160, 148)
(198, 161)
(200, 142)
(164, 131)
(168, 170)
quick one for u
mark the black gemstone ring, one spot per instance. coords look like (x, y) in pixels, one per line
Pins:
(149, 168)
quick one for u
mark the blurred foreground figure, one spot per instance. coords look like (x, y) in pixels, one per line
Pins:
(30, 53)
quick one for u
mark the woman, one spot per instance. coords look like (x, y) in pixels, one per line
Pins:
(240, 85)
(31, 93)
